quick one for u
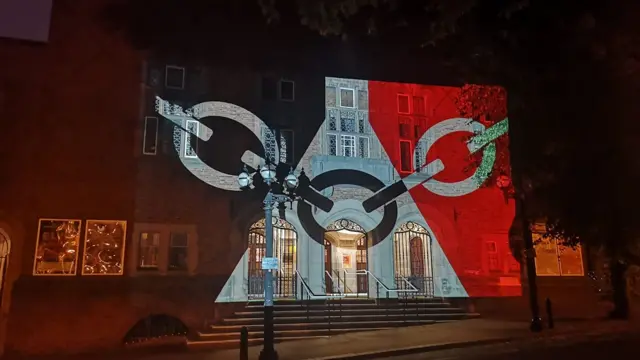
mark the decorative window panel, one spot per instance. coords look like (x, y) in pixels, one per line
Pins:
(332, 144)
(104, 247)
(333, 119)
(191, 139)
(348, 121)
(57, 247)
(363, 147)
(270, 144)
(348, 145)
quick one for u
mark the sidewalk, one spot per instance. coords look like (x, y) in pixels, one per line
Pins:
(417, 339)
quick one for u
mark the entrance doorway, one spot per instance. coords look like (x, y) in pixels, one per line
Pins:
(412, 258)
(285, 241)
(345, 258)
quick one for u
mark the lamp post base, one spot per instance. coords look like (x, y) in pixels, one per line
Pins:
(536, 325)
(268, 354)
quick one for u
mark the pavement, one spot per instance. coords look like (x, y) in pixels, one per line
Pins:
(420, 339)
(473, 335)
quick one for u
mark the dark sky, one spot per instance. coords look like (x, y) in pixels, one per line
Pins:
(25, 19)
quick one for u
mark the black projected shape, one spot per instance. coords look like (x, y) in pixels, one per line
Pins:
(347, 177)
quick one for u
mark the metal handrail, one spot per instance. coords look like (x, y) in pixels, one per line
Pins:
(345, 288)
(333, 281)
(314, 295)
(386, 288)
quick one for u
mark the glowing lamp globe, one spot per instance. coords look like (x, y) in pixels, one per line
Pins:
(268, 172)
(244, 180)
(291, 181)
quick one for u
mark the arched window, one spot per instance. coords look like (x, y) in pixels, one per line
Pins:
(285, 241)
(412, 257)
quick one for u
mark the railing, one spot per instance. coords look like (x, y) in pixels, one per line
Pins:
(307, 296)
(284, 286)
(335, 285)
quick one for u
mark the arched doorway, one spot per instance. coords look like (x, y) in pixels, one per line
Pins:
(346, 252)
(285, 243)
(412, 258)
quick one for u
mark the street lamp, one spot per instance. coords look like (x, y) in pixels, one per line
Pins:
(276, 194)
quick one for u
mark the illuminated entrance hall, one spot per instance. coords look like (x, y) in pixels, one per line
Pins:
(345, 259)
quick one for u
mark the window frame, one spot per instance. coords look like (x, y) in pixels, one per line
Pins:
(293, 90)
(166, 77)
(368, 155)
(559, 260)
(123, 253)
(79, 247)
(187, 139)
(409, 98)
(139, 247)
(353, 98)
(171, 246)
(342, 147)
(144, 136)
(411, 164)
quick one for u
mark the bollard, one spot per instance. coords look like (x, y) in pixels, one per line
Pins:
(244, 343)
(549, 313)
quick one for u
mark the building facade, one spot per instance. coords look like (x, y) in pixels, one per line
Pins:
(122, 199)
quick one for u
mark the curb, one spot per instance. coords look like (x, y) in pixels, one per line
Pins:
(585, 336)
(413, 350)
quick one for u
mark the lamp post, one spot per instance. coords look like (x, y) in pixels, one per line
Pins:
(284, 193)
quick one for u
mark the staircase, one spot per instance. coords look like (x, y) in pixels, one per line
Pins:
(305, 319)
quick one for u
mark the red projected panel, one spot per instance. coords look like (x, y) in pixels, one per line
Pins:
(465, 202)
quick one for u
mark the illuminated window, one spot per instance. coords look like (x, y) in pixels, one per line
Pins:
(553, 259)
(286, 90)
(150, 136)
(191, 139)
(174, 77)
(403, 104)
(178, 251)
(405, 156)
(57, 247)
(347, 98)
(348, 145)
(148, 251)
(104, 247)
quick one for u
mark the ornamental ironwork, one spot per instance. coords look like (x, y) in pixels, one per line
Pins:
(344, 224)
(275, 221)
(411, 226)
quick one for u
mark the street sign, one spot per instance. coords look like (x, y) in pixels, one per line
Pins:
(269, 263)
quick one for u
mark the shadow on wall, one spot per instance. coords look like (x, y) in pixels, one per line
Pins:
(156, 326)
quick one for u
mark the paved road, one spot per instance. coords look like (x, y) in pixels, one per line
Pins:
(607, 347)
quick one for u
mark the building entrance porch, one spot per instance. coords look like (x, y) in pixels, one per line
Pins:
(346, 259)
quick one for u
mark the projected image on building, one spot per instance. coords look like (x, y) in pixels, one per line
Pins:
(419, 181)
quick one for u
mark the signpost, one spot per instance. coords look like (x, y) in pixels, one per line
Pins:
(269, 263)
